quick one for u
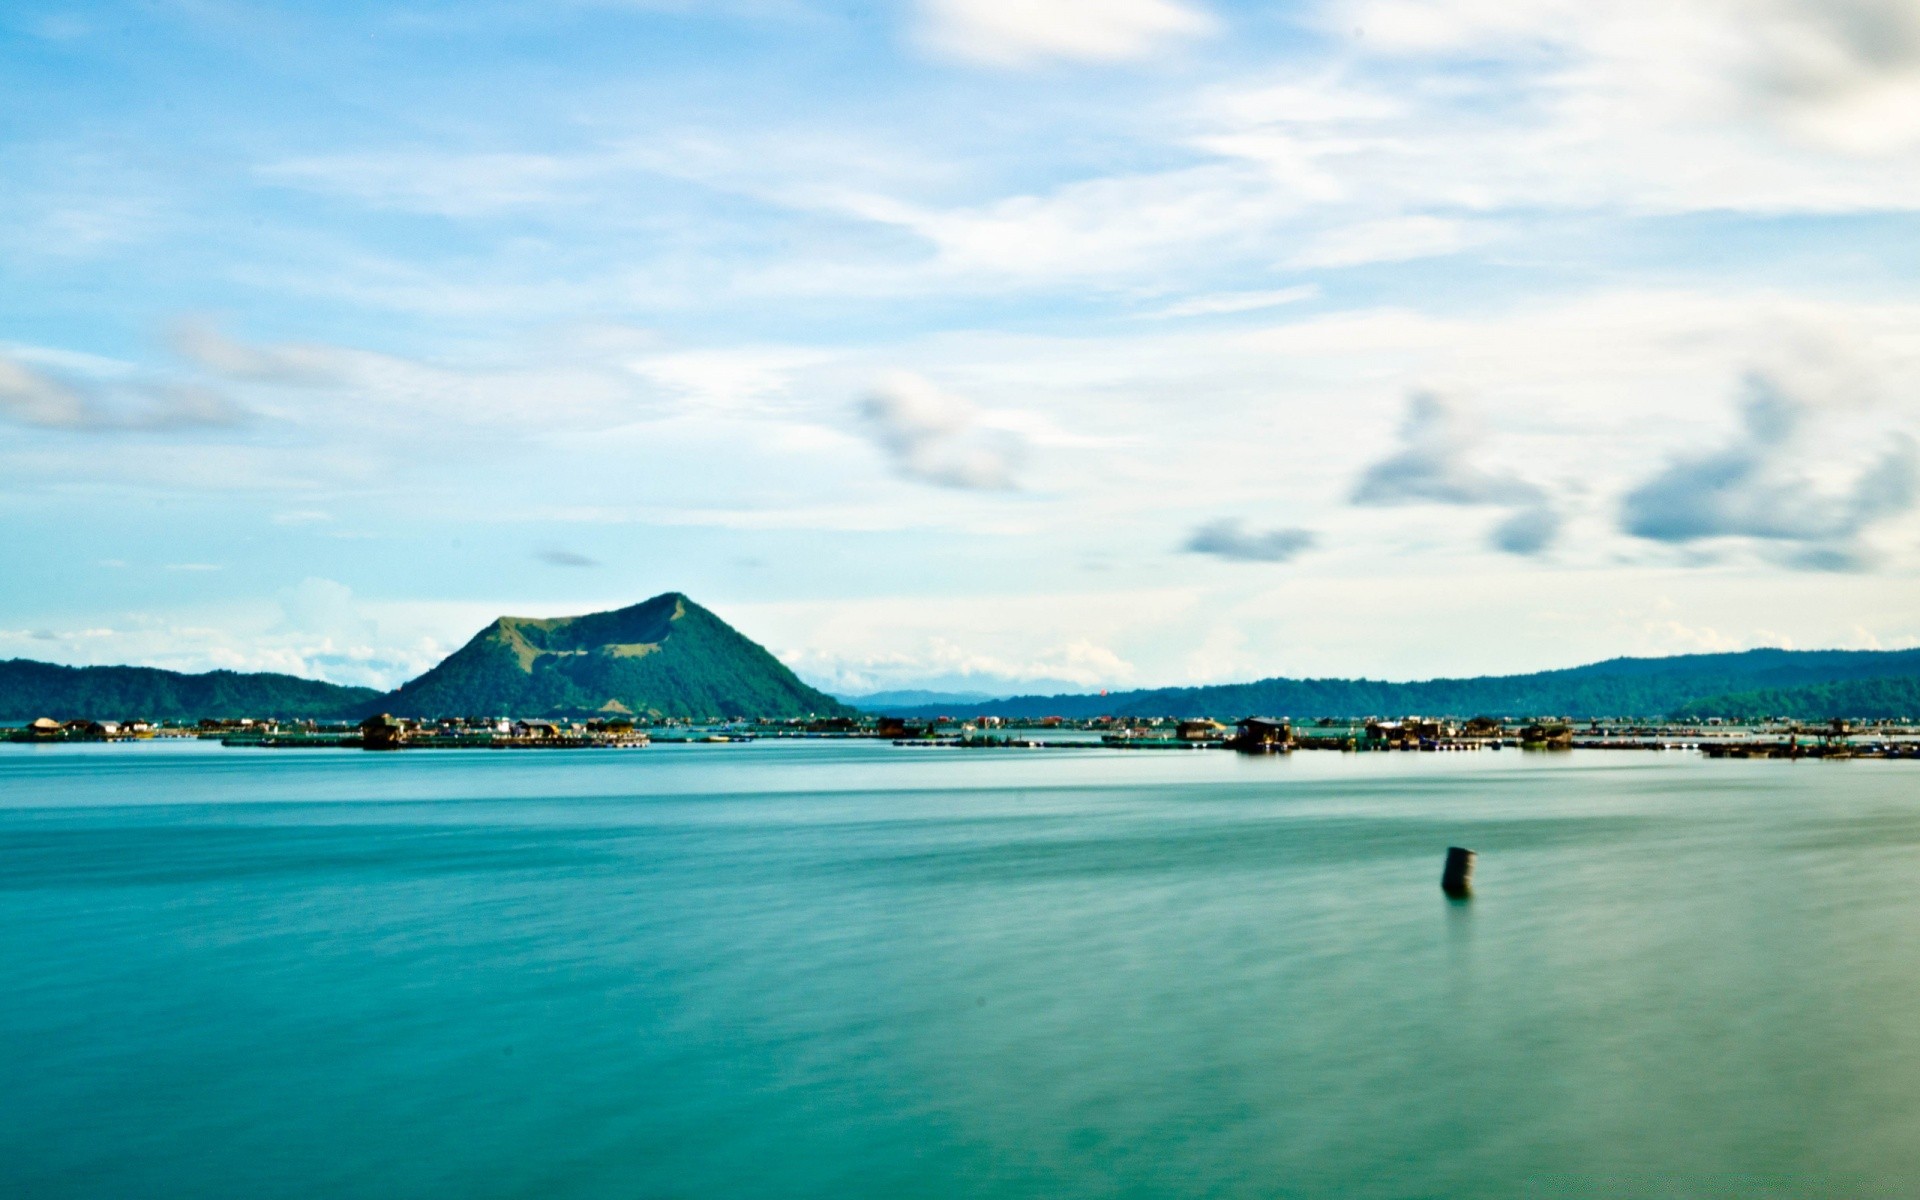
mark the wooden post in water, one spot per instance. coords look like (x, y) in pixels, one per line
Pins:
(1457, 879)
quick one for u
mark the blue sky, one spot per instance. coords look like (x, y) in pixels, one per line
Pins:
(979, 343)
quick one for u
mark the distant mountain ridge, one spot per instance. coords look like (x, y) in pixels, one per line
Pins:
(31, 689)
(669, 657)
(1645, 687)
(663, 657)
(887, 701)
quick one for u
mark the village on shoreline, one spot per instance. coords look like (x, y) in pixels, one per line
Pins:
(1835, 739)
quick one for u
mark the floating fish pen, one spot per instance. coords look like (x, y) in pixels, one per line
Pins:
(1114, 741)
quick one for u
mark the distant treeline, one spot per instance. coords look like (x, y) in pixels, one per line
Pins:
(31, 689)
(1868, 699)
(1801, 683)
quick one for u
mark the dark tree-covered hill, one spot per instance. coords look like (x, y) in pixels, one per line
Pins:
(1868, 699)
(31, 689)
(1628, 687)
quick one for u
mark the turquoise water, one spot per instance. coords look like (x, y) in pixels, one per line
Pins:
(850, 970)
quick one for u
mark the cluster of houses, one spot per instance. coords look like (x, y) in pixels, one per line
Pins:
(1421, 733)
(1270, 735)
(46, 729)
(388, 732)
(1251, 735)
(376, 733)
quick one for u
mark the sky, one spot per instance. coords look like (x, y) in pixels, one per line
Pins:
(982, 344)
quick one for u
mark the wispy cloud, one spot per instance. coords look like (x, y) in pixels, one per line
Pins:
(1435, 465)
(29, 396)
(936, 437)
(1756, 488)
(1391, 239)
(1222, 303)
(1227, 539)
(203, 344)
(1012, 33)
(1099, 249)
(453, 185)
(1847, 73)
(555, 557)
(1841, 76)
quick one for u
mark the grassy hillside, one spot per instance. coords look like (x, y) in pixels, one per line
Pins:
(31, 689)
(664, 657)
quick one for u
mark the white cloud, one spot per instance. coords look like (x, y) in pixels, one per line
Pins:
(1071, 665)
(1221, 303)
(1630, 108)
(316, 629)
(1391, 239)
(34, 397)
(1028, 641)
(986, 230)
(1105, 226)
(1022, 32)
(31, 398)
(1840, 75)
(1435, 464)
(937, 437)
(203, 344)
(325, 606)
(453, 185)
(1389, 153)
(1384, 151)
(737, 379)
(1756, 487)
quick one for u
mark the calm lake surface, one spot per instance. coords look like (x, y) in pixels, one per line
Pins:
(838, 969)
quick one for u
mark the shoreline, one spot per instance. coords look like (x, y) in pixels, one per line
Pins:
(1756, 745)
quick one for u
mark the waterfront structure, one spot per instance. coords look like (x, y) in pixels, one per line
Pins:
(1547, 735)
(1262, 735)
(383, 732)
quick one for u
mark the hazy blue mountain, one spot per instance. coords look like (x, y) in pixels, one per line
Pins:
(1649, 687)
(31, 689)
(887, 701)
(664, 657)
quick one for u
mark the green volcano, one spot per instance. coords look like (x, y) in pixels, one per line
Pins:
(664, 657)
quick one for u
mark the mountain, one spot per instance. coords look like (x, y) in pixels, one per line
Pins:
(1646, 687)
(664, 657)
(909, 697)
(1872, 699)
(668, 657)
(31, 689)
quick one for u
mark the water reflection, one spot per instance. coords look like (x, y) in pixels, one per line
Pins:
(848, 971)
